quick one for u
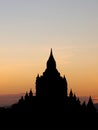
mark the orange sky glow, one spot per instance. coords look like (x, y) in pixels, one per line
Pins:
(29, 29)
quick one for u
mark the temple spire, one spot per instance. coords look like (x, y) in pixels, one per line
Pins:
(51, 61)
(51, 54)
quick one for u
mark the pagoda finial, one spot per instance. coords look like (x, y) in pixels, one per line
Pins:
(51, 52)
(51, 64)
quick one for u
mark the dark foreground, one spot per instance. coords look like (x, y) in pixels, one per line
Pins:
(42, 114)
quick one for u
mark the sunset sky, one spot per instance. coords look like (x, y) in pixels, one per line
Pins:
(30, 28)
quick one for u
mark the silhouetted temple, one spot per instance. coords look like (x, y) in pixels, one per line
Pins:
(51, 107)
(51, 84)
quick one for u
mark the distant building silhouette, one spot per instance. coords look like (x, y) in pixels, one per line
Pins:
(51, 84)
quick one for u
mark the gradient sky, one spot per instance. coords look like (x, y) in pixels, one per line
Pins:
(30, 28)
